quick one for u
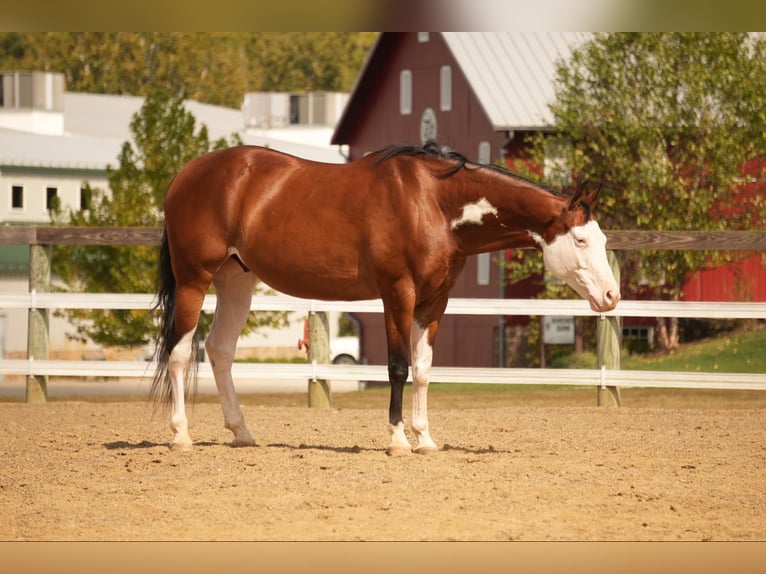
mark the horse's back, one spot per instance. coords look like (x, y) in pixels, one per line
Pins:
(220, 189)
(212, 175)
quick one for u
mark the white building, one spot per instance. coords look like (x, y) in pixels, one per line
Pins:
(52, 142)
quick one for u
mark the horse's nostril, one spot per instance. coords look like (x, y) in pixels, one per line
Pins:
(611, 297)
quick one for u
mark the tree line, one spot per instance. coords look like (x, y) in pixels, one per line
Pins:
(211, 67)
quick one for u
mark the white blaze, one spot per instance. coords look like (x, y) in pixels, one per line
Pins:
(473, 213)
(579, 258)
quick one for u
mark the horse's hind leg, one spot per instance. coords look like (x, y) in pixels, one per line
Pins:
(188, 304)
(234, 290)
(177, 365)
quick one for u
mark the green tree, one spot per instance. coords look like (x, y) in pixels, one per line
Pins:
(664, 122)
(307, 61)
(164, 139)
(211, 67)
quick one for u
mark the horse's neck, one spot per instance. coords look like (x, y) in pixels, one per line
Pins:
(520, 208)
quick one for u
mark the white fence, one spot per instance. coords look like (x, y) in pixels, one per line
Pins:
(596, 377)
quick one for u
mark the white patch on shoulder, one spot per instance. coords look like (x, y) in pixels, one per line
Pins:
(473, 213)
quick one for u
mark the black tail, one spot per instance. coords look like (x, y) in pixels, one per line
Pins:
(166, 337)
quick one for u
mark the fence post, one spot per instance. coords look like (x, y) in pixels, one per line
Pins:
(39, 320)
(319, 352)
(608, 337)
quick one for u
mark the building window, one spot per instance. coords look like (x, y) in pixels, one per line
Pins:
(482, 268)
(405, 92)
(485, 152)
(17, 197)
(295, 110)
(429, 128)
(52, 198)
(424, 37)
(445, 84)
(86, 195)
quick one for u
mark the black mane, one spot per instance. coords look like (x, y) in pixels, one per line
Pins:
(432, 150)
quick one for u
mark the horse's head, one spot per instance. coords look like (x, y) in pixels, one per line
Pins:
(574, 250)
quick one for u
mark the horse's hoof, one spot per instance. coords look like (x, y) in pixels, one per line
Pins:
(398, 451)
(181, 446)
(426, 450)
(242, 442)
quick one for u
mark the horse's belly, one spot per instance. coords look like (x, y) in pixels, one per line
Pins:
(308, 254)
(317, 283)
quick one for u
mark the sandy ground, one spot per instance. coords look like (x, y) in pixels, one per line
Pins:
(74, 470)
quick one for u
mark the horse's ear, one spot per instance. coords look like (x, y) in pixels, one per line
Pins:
(584, 196)
(592, 196)
(576, 198)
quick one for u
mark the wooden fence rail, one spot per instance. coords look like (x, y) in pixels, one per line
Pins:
(616, 240)
(38, 301)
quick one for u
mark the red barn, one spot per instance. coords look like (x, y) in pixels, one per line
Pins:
(743, 280)
(476, 93)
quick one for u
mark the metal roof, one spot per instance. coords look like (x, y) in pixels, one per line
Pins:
(110, 116)
(78, 152)
(513, 73)
(97, 125)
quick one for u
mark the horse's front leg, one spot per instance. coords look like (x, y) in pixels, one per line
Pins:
(397, 376)
(398, 363)
(422, 340)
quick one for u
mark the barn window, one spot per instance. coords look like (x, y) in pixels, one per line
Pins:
(485, 152)
(424, 37)
(405, 92)
(482, 268)
(445, 84)
(17, 197)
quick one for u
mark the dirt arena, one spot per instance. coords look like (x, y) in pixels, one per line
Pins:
(508, 469)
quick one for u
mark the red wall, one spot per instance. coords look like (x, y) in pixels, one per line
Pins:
(743, 281)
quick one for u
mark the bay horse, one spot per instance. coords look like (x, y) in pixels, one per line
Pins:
(397, 225)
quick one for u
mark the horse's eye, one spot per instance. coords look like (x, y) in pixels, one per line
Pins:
(581, 241)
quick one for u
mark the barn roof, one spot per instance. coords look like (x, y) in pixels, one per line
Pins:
(75, 152)
(511, 73)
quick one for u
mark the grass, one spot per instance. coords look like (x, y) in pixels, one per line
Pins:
(737, 352)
